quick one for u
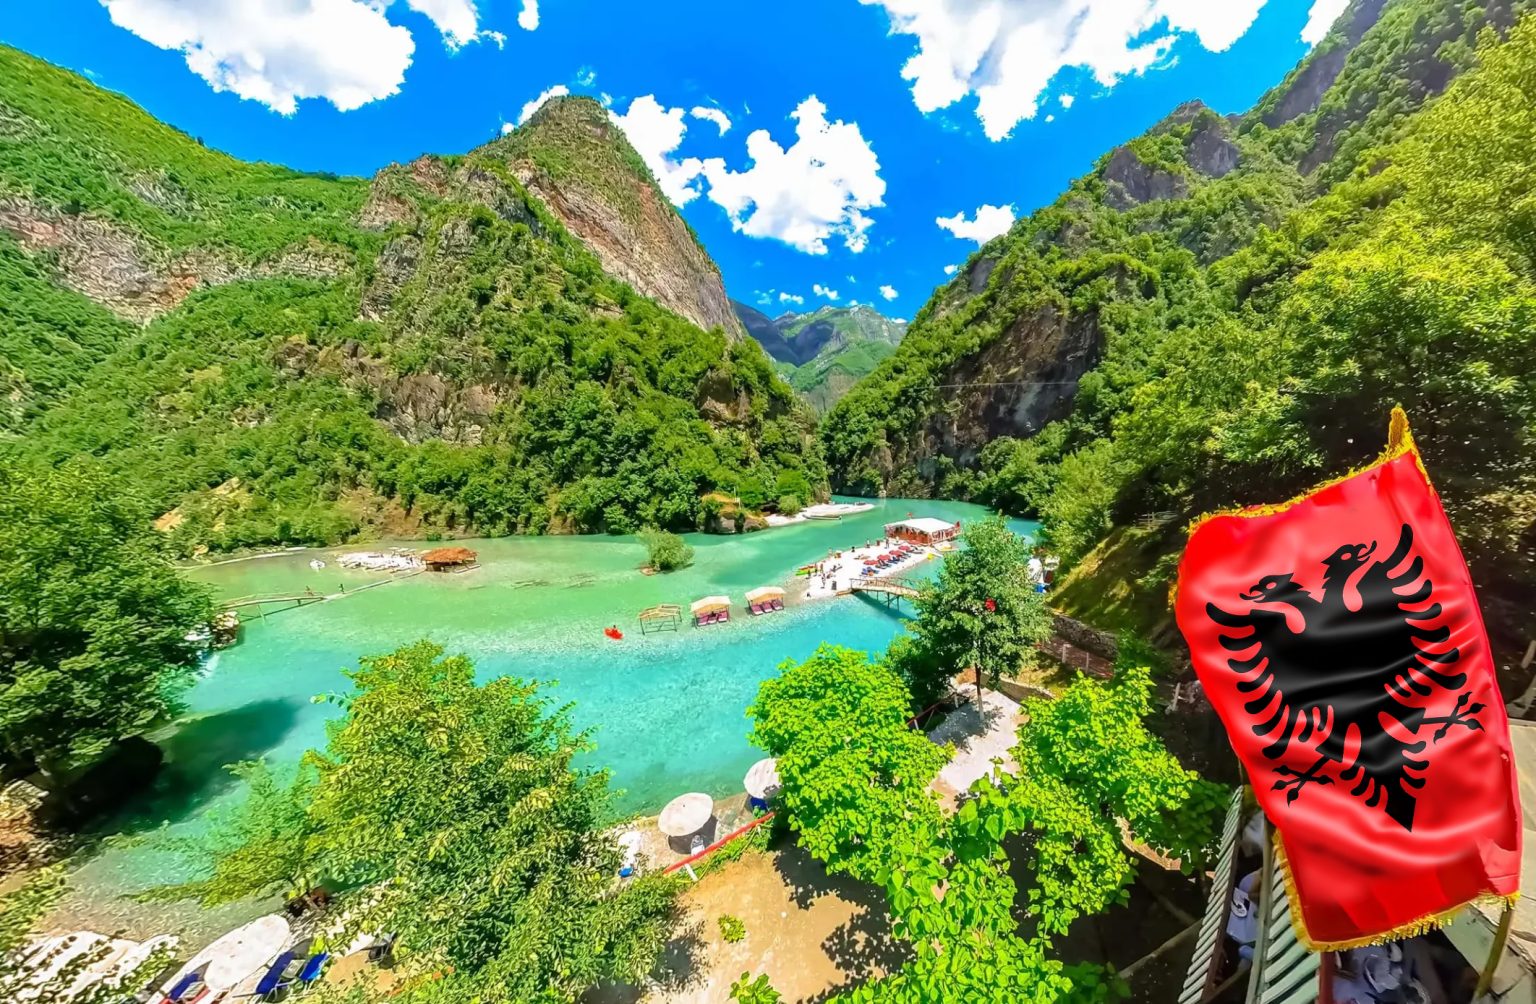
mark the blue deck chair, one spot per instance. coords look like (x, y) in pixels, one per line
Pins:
(273, 980)
(311, 971)
(186, 983)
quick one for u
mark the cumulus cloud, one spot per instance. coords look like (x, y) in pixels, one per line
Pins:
(1320, 20)
(278, 52)
(528, 17)
(557, 91)
(822, 291)
(456, 19)
(951, 269)
(721, 120)
(1007, 52)
(1067, 100)
(656, 132)
(986, 223)
(791, 298)
(815, 190)
(586, 76)
(507, 127)
(889, 292)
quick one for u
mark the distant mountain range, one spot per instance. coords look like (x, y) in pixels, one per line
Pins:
(824, 353)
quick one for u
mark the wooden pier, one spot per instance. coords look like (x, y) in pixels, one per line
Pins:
(291, 601)
(892, 588)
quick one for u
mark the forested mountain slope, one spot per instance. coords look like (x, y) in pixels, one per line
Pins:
(1225, 310)
(825, 352)
(280, 357)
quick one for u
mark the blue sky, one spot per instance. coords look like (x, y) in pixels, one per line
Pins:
(854, 125)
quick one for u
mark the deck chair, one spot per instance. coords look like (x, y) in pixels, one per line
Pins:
(313, 968)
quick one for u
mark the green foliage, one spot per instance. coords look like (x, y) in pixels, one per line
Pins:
(459, 804)
(471, 367)
(1253, 336)
(754, 991)
(732, 929)
(855, 777)
(855, 790)
(667, 551)
(981, 612)
(93, 617)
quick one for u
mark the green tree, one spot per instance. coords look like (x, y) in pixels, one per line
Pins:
(667, 551)
(754, 991)
(481, 844)
(981, 612)
(93, 617)
(854, 775)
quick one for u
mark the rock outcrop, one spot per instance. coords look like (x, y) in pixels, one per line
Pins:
(1130, 182)
(573, 158)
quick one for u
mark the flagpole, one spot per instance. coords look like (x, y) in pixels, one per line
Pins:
(1500, 938)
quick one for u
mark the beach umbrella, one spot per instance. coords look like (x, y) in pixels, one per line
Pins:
(686, 814)
(243, 951)
(765, 593)
(762, 780)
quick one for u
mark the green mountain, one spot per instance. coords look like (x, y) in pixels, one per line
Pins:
(1224, 311)
(273, 356)
(824, 353)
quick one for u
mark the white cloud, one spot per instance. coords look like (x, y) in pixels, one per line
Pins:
(1320, 20)
(721, 120)
(655, 133)
(1007, 52)
(852, 281)
(557, 91)
(1067, 100)
(586, 76)
(791, 298)
(951, 269)
(456, 19)
(507, 127)
(822, 291)
(816, 189)
(986, 223)
(278, 52)
(528, 17)
(606, 99)
(889, 292)
(764, 299)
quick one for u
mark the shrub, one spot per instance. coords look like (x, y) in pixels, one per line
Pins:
(732, 929)
(668, 552)
(789, 505)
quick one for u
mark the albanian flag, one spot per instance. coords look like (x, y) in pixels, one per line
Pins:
(1339, 640)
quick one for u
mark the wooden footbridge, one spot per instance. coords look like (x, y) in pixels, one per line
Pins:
(275, 602)
(892, 587)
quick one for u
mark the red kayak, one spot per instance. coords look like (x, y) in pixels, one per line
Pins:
(614, 633)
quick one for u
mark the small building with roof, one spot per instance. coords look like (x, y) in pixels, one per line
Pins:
(923, 530)
(450, 559)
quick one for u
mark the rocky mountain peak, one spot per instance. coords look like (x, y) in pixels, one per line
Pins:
(578, 163)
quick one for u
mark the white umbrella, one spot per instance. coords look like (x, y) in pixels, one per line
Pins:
(765, 593)
(686, 814)
(243, 951)
(762, 778)
(710, 603)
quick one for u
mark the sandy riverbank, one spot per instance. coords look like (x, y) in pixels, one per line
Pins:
(840, 569)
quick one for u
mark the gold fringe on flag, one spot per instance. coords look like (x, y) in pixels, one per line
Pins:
(1399, 442)
(1412, 929)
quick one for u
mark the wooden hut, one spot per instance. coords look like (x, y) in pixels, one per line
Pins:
(923, 530)
(450, 559)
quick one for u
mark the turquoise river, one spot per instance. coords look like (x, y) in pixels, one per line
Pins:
(667, 711)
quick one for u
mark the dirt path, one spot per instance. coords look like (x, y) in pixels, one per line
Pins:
(812, 934)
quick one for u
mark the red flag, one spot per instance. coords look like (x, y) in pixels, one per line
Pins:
(1339, 639)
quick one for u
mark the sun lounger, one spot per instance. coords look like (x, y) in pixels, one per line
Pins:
(312, 969)
(778, 604)
(190, 987)
(725, 615)
(276, 977)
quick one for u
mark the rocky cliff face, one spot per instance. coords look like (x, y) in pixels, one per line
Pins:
(579, 164)
(824, 353)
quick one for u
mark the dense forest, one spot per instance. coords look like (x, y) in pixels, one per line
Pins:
(1234, 305)
(430, 352)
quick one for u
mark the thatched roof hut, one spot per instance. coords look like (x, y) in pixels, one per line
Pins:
(443, 559)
